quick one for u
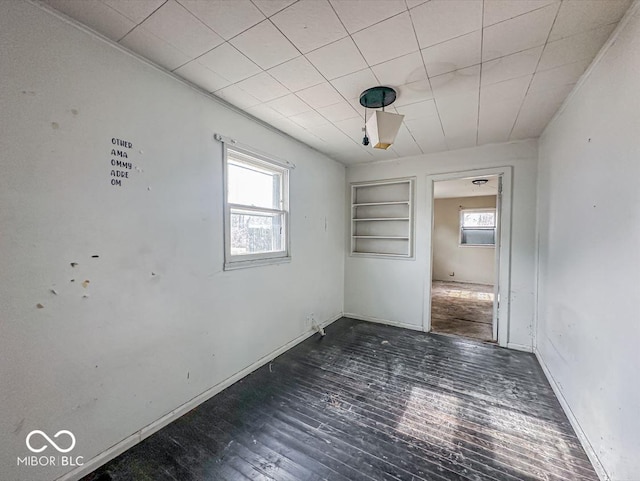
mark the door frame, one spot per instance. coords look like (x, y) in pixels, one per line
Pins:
(503, 249)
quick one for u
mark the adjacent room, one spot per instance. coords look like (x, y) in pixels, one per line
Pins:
(319, 240)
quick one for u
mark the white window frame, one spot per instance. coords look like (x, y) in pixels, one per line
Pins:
(239, 261)
(494, 228)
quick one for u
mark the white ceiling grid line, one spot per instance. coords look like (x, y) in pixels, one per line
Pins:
(301, 65)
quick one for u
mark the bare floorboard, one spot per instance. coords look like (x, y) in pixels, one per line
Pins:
(462, 309)
(371, 402)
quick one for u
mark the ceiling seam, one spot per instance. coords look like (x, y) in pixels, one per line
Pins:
(435, 103)
(515, 121)
(480, 78)
(136, 24)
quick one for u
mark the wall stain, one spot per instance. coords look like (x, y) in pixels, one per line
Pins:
(55, 125)
(39, 306)
(74, 111)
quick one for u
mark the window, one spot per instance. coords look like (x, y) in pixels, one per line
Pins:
(256, 210)
(478, 227)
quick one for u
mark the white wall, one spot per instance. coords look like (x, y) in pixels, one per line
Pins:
(402, 282)
(472, 264)
(140, 345)
(588, 332)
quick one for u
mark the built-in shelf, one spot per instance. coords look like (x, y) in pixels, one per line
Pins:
(375, 219)
(380, 203)
(382, 218)
(380, 237)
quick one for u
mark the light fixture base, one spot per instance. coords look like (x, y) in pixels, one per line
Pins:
(377, 97)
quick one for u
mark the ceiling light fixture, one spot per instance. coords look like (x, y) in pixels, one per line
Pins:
(479, 181)
(382, 127)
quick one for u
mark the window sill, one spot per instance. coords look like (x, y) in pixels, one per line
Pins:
(232, 266)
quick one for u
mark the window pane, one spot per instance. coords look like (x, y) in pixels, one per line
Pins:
(253, 233)
(478, 219)
(249, 185)
(478, 236)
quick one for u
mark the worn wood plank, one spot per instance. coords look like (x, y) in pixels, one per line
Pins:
(371, 402)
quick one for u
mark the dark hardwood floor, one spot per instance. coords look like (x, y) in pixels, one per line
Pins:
(371, 402)
(462, 309)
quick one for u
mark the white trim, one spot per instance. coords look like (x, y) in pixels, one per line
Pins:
(631, 11)
(519, 347)
(377, 320)
(503, 244)
(231, 261)
(584, 440)
(120, 447)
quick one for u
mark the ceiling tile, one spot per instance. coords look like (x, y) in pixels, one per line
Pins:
(352, 85)
(264, 113)
(536, 112)
(330, 134)
(136, 11)
(459, 116)
(511, 66)
(456, 83)
(415, 3)
(200, 75)
(439, 20)
(270, 7)
(337, 59)
(496, 122)
(309, 119)
(265, 45)
(583, 46)
(405, 145)
(339, 111)
(426, 108)
(153, 48)
(413, 92)
(352, 128)
(386, 40)
(401, 71)
(238, 97)
(226, 18)
(177, 26)
(263, 87)
(453, 54)
(499, 107)
(320, 95)
(428, 134)
(297, 74)
(519, 33)
(500, 10)
(359, 14)
(554, 78)
(289, 105)
(576, 16)
(508, 90)
(95, 15)
(310, 24)
(229, 63)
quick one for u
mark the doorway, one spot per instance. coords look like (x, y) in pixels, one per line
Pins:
(465, 279)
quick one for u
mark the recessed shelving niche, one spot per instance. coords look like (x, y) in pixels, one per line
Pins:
(382, 218)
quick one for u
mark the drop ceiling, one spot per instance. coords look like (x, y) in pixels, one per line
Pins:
(467, 72)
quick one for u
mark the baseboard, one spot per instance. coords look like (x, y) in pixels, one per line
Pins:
(130, 441)
(519, 347)
(586, 445)
(383, 321)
